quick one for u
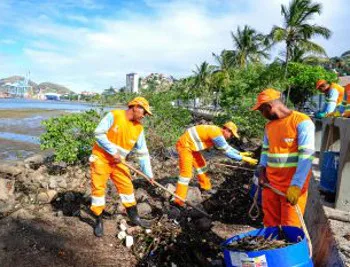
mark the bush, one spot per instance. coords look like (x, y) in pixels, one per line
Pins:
(71, 136)
(167, 124)
(303, 78)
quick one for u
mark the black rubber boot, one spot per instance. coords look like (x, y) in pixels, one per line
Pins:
(98, 228)
(135, 218)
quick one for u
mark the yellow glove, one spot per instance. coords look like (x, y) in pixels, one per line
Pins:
(250, 160)
(346, 114)
(246, 154)
(293, 194)
(333, 114)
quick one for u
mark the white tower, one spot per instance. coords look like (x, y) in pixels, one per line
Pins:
(132, 83)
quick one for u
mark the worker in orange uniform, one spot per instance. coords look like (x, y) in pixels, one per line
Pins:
(117, 134)
(196, 139)
(335, 102)
(286, 159)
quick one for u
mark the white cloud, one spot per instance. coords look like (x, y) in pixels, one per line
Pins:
(7, 41)
(179, 35)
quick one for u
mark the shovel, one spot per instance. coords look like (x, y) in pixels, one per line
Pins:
(165, 189)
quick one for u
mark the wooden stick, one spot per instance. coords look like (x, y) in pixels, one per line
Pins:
(300, 216)
(165, 189)
(233, 167)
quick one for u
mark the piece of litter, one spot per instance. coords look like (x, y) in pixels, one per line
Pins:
(148, 231)
(122, 227)
(121, 235)
(129, 241)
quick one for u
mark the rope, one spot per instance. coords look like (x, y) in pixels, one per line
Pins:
(255, 205)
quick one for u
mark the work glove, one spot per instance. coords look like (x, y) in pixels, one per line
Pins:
(246, 154)
(346, 114)
(250, 160)
(293, 194)
(333, 114)
(320, 115)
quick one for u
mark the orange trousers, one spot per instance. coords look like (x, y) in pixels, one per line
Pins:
(277, 211)
(189, 159)
(101, 170)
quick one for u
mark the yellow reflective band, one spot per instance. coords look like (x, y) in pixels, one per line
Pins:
(282, 165)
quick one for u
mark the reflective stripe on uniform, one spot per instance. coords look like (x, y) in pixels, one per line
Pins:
(122, 151)
(127, 198)
(202, 170)
(184, 180)
(278, 160)
(195, 138)
(98, 201)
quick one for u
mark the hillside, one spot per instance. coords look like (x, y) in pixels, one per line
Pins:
(53, 88)
(43, 88)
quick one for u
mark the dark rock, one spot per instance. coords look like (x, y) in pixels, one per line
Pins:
(144, 209)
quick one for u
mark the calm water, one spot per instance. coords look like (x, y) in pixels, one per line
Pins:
(20, 124)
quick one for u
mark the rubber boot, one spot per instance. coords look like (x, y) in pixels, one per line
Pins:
(135, 218)
(98, 228)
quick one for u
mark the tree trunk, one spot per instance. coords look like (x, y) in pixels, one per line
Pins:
(286, 72)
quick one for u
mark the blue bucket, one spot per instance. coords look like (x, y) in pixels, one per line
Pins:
(255, 186)
(293, 255)
(329, 171)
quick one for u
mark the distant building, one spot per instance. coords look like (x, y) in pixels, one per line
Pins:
(52, 96)
(19, 89)
(86, 93)
(132, 83)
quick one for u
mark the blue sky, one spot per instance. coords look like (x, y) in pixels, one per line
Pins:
(91, 45)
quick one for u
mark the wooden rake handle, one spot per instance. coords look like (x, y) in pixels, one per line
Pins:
(164, 188)
(299, 213)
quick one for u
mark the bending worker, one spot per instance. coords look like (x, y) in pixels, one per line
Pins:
(334, 98)
(196, 139)
(117, 134)
(286, 159)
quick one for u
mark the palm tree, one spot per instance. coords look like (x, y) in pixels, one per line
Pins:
(250, 46)
(202, 76)
(296, 31)
(226, 60)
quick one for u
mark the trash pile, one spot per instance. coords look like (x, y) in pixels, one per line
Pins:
(257, 243)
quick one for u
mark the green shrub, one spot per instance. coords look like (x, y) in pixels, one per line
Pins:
(303, 78)
(71, 136)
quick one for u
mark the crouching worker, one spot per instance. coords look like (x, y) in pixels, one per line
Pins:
(117, 134)
(196, 139)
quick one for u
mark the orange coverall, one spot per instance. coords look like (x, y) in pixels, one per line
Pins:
(287, 155)
(123, 134)
(194, 140)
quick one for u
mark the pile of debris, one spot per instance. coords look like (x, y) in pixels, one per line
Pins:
(40, 188)
(258, 243)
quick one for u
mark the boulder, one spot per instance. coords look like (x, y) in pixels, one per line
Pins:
(141, 194)
(194, 195)
(35, 160)
(171, 188)
(46, 196)
(144, 209)
(22, 214)
(9, 170)
(7, 188)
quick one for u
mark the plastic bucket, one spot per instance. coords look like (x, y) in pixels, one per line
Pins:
(254, 186)
(329, 171)
(293, 255)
